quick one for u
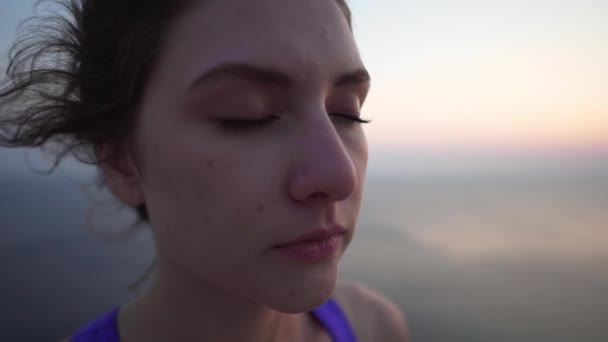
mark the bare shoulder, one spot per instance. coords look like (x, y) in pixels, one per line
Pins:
(374, 316)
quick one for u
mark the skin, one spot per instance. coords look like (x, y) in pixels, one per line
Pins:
(220, 198)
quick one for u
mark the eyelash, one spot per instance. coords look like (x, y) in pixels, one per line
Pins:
(350, 117)
(235, 124)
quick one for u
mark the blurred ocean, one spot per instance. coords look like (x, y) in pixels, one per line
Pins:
(489, 260)
(468, 259)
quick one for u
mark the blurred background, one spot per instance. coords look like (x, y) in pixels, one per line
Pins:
(486, 209)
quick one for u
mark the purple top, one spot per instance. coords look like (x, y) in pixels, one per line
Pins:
(335, 322)
(105, 328)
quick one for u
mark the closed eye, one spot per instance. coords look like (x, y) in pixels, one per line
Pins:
(236, 124)
(351, 117)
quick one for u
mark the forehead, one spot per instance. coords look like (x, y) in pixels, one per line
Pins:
(305, 38)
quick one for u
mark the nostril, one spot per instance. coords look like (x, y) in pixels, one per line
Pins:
(317, 195)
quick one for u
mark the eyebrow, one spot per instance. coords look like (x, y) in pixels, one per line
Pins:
(268, 76)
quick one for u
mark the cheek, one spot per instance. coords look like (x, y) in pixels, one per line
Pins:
(199, 192)
(355, 142)
(358, 150)
(192, 219)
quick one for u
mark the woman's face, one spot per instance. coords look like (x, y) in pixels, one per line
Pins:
(237, 150)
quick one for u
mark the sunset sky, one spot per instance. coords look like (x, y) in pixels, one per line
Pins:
(473, 75)
(504, 74)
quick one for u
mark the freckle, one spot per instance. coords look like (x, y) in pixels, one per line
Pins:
(291, 293)
(261, 208)
(167, 229)
(210, 163)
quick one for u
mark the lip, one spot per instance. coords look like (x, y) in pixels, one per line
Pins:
(316, 235)
(314, 246)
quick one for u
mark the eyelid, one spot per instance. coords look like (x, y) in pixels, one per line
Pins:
(243, 123)
(352, 117)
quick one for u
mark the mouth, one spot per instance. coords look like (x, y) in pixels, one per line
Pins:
(314, 246)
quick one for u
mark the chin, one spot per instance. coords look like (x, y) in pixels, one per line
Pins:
(300, 304)
(303, 294)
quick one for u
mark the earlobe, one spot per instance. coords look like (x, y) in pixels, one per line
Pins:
(121, 173)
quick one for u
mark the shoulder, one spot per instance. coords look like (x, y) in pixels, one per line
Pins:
(373, 316)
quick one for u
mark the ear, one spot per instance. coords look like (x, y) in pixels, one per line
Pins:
(121, 173)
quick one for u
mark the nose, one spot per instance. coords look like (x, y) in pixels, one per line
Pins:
(323, 169)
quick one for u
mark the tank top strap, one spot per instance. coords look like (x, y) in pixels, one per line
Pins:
(334, 320)
(103, 329)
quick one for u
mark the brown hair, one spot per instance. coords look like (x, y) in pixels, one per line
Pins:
(75, 80)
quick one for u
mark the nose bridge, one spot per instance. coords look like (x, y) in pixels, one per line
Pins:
(323, 164)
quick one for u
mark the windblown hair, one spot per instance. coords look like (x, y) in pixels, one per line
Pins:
(75, 78)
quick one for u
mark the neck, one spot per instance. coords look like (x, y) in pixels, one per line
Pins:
(179, 307)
